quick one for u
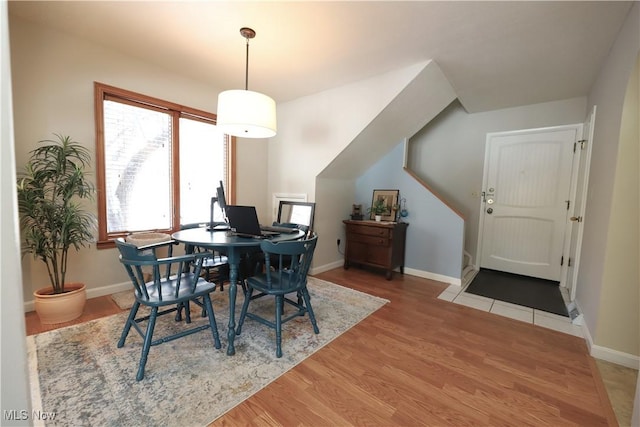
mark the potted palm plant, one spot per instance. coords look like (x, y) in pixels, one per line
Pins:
(52, 220)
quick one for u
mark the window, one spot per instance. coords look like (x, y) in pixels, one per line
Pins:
(158, 163)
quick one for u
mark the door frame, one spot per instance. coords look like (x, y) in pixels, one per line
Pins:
(587, 136)
(578, 127)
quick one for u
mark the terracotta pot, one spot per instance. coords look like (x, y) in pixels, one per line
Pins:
(60, 308)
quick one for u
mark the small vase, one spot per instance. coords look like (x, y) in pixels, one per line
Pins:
(60, 308)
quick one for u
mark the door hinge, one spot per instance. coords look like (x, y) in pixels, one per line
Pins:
(562, 260)
(568, 202)
(582, 143)
(569, 262)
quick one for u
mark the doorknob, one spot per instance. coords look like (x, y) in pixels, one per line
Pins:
(490, 211)
(576, 219)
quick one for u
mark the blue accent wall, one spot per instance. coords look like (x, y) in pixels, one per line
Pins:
(435, 236)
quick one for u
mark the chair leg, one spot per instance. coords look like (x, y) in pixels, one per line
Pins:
(187, 312)
(307, 303)
(206, 299)
(299, 296)
(178, 317)
(243, 312)
(127, 326)
(148, 337)
(279, 306)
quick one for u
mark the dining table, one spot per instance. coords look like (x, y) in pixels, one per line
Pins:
(234, 247)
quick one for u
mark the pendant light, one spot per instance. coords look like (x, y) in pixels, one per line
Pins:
(245, 113)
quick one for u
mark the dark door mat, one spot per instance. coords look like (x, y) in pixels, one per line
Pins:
(527, 291)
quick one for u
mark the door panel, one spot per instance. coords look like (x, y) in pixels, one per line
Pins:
(527, 184)
(578, 208)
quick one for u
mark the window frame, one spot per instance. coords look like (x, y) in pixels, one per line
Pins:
(104, 92)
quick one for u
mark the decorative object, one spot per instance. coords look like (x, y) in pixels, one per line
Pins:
(60, 308)
(192, 384)
(52, 219)
(403, 213)
(377, 208)
(383, 203)
(356, 212)
(245, 113)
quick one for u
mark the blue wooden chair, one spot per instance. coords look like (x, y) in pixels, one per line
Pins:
(287, 276)
(216, 262)
(175, 283)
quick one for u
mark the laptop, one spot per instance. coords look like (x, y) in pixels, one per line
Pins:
(243, 221)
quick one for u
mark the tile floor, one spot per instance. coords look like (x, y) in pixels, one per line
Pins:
(457, 295)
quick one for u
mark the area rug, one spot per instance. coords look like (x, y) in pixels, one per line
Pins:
(531, 292)
(80, 378)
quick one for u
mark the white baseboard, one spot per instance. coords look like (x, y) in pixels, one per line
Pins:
(409, 271)
(614, 356)
(91, 293)
(326, 267)
(433, 276)
(608, 354)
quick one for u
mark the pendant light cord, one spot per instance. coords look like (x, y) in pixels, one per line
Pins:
(246, 69)
(247, 33)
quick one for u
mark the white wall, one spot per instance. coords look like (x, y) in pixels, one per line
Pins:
(251, 172)
(620, 299)
(608, 94)
(312, 131)
(448, 153)
(15, 394)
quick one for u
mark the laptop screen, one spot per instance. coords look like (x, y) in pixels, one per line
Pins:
(244, 219)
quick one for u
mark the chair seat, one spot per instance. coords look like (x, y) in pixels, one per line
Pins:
(281, 283)
(169, 290)
(215, 261)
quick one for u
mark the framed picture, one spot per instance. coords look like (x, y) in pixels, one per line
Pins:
(387, 199)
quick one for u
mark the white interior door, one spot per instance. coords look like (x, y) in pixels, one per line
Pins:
(526, 194)
(580, 202)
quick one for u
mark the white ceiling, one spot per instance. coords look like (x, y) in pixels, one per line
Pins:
(495, 54)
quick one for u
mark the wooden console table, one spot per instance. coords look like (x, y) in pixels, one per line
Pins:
(375, 243)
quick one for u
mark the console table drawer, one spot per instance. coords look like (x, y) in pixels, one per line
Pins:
(369, 231)
(370, 240)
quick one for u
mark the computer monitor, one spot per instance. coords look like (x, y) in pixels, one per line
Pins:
(222, 200)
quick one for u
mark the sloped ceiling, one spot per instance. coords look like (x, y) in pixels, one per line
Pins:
(495, 54)
(418, 103)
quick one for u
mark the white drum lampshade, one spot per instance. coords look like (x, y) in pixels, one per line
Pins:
(246, 114)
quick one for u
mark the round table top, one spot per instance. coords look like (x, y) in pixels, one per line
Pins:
(225, 239)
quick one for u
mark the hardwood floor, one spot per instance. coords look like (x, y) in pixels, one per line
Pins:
(424, 361)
